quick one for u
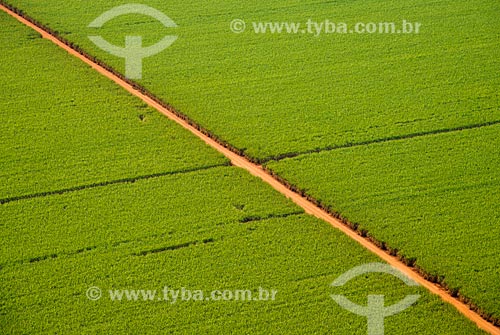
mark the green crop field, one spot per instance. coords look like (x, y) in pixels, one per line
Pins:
(398, 134)
(213, 228)
(272, 95)
(434, 198)
(59, 131)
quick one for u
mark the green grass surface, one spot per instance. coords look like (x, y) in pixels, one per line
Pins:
(64, 126)
(276, 94)
(298, 256)
(146, 209)
(434, 198)
(200, 230)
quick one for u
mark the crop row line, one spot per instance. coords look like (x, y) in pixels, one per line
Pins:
(248, 219)
(174, 247)
(108, 183)
(379, 140)
(36, 259)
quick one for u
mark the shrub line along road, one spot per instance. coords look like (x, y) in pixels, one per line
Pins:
(258, 171)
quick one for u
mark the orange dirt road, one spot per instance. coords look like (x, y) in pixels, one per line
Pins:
(259, 172)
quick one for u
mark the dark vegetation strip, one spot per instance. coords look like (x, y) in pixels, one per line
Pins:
(42, 258)
(107, 183)
(53, 256)
(408, 261)
(248, 219)
(174, 247)
(379, 140)
(37, 259)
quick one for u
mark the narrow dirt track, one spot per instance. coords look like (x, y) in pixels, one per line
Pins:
(259, 172)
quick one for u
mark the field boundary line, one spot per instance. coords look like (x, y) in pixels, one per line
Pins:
(238, 160)
(107, 183)
(395, 138)
(98, 247)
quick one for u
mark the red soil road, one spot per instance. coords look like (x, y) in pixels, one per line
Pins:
(259, 172)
